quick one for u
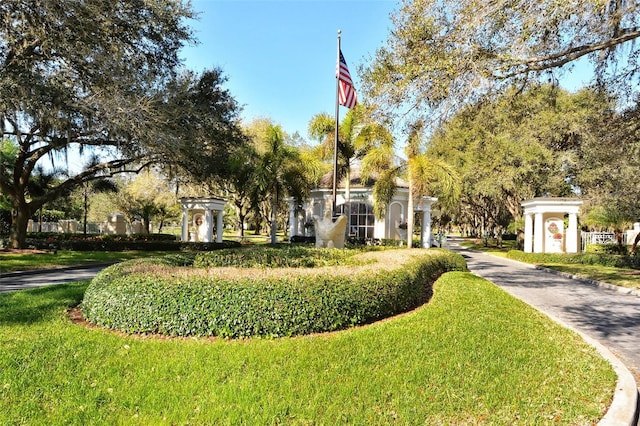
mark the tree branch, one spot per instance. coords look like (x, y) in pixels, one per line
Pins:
(561, 58)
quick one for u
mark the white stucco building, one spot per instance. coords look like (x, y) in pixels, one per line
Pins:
(357, 205)
(200, 228)
(545, 229)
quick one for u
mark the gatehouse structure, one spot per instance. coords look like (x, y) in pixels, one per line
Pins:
(545, 227)
(356, 202)
(202, 212)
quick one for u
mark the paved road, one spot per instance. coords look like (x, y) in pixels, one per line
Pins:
(24, 280)
(608, 316)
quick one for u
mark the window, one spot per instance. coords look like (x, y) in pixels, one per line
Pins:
(361, 219)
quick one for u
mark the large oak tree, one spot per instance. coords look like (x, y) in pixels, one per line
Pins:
(442, 54)
(100, 77)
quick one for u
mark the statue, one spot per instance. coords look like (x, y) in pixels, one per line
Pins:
(200, 227)
(330, 234)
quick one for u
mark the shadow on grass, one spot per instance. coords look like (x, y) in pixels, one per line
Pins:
(40, 304)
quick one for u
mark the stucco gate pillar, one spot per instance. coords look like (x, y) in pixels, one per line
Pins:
(208, 205)
(424, 205)
(549, 233)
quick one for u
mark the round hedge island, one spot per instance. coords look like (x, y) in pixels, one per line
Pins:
(266, 292)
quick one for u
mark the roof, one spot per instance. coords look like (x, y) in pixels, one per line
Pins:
(356, 181)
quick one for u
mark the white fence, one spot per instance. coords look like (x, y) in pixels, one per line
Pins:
(601, 238)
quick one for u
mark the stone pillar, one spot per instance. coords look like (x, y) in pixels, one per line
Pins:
(538, 234)
(425, 237)
(293, 220)
(208, 224)
(185, 225)
(219, 227)
(571, 243)
(528, 233)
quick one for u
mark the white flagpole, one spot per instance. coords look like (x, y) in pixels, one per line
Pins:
(335, 145)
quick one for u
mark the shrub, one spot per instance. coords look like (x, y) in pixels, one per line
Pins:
(154, 296)
(280, 257)
(609, 248)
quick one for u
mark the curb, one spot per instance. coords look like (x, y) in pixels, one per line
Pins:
(597, 283)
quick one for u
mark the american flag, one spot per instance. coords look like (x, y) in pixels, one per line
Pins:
(346, 93)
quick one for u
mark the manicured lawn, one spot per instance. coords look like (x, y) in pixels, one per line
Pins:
(472, 355)
(623, 277)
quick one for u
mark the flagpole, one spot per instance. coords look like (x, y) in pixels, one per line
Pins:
(335, 144)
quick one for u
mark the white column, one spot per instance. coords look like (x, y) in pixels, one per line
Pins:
(301, 221)
(208, 224)
(572, 234)
(185, 225)
(528, 233)
(219, 227)
(293, 220)
(538, 234)
(426, 227)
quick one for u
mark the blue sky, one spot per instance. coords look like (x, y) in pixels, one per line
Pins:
(280, 56)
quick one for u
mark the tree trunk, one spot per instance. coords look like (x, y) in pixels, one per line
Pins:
(241, 223)
(274, 217)
(410, 215)
(635, 243)
(619, 237)
(86, 209)
(20, 214)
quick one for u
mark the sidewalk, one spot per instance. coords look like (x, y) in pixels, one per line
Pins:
(608, 319)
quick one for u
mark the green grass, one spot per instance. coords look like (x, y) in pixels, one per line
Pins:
(623, 277)
(472, 355)
(10, 262)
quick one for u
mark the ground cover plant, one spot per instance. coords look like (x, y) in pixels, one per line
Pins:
(472, 355)
(282, 292)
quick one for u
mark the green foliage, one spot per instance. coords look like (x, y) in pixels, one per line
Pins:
(443, 54)
(472, 355)
(272, 257)
(108, 242)
(610, 248)
(134, 297)
(521, 145)
(592, 258)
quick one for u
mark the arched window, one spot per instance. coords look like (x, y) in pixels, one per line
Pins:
(361, 219)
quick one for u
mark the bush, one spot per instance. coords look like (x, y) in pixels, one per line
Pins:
(609, 248)
(154, 296)
(108, 242)
(280, 257)
(301, 239)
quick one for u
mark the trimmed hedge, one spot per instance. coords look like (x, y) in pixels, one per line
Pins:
(106, 242)
(154, 296)
(609, 248)
(281, 257)
(604, 259)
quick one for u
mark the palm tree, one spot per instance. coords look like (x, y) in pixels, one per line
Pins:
(280, 172)
(359, 139)
(422, 172)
